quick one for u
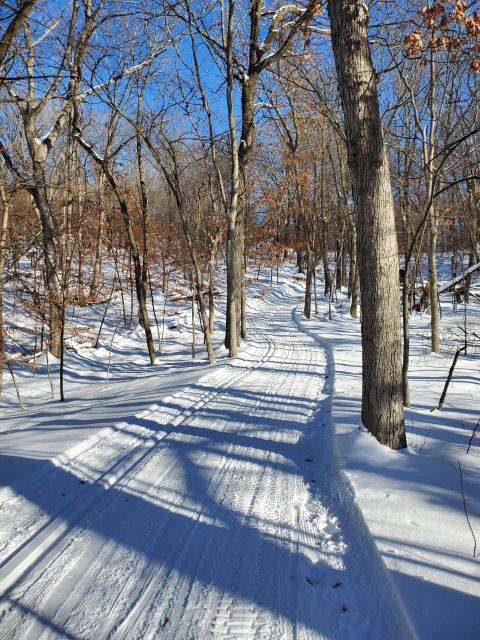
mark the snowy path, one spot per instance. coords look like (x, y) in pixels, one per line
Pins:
(219, 514)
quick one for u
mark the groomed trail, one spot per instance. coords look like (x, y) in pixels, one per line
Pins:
(220, 513)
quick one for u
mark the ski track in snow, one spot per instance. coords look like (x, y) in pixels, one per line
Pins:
(220, 514)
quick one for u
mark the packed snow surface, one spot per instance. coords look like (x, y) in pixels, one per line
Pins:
(185, 502)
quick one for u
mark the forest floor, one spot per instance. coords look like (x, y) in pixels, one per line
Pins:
(242, 500)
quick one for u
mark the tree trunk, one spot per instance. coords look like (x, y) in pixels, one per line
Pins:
(3, 245)
(430, 170)
(327, 276)
(344, 263)
(300, 261)
(382, 403)
(140, 286)
(51, 258)
(434, 306)
(468, 279)
(405, 210)
(354, 280)
(307, 307)
(214, 240)
(145, 206)
(50, 233)
(233, 311)
(97, 264)
(338, 265)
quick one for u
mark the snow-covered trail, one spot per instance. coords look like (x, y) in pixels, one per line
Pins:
(221, 513)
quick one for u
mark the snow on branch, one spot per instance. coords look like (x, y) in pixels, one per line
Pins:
(88, 147)
(275, 25)
(459, 278)
(263, 105)
(319, 30)
(122, 74)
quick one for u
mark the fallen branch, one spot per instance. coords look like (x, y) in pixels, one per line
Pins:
(459, 278)
(450, 374)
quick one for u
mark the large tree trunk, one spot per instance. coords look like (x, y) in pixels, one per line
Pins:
(236, 255)
(233, 259)
(382, 405)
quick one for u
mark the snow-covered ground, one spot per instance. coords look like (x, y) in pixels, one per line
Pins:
(240, 500)
(412, 499)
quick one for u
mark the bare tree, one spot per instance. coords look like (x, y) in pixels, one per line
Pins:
(140, 281)
(242, 55)
(32, 107)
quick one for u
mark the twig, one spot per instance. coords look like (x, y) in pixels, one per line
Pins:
(153, 304)
(9, 365)
(473, 435)
(48, 373)
(110, 354)
(104, 315)
(459, 473)
(450, 374)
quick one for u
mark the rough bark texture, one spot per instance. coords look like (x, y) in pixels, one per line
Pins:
(232, 336)
(382, 407)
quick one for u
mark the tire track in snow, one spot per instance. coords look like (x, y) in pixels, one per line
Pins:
(242, 376)
(233, 617)
(83, 508)
(78, 510)
(229, 531)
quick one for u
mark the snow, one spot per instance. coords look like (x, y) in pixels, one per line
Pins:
(411, 499)
(242, 500)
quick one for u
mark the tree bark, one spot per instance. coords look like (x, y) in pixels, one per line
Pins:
(434, 301)
(430, 152)
(53, 277)
(97, 263)
(5, 203)
(354, 280)
(382, 405)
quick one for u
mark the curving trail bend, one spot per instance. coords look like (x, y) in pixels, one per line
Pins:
(222, 513)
